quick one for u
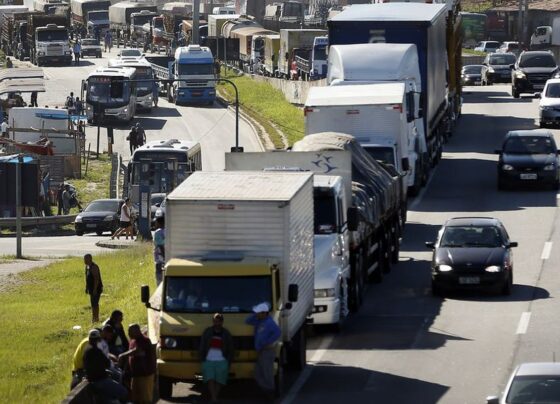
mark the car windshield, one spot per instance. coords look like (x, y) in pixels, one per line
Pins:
(473, 69)
(131, 52)
(553, 90)
(539, 389)
(492, 45)
(103, 206)
(89, 42)
(157, 199)
(471, 236)
(513, 46)
(529, 145)
(207, 294)
(500, 60)
(325, 212)
(540, 60)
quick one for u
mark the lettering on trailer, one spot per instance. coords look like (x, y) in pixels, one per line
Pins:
(377, 36)
(324, 162)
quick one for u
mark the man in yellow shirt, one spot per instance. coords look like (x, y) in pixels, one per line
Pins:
(78, 372)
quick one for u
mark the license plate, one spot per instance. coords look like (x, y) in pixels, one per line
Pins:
(91, 225)
(196, 94)
(469, 280)
(528, 176)
(477, 82)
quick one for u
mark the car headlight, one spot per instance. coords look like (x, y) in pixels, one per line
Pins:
(41, 53)
(324, 292)
(445, 268)
(493, 268)
(108, 218)
(125, 110)
(507, 167)
(67, 53)
(491, 70)
(546, 108)
(549, 167)
(169, 342)
(520, 74)
(78, 219)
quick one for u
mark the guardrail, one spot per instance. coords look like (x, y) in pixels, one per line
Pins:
(38, 220)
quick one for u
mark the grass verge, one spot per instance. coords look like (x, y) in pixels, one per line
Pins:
(94, 185)
(38, 315)
(268, 107)
(472, 52)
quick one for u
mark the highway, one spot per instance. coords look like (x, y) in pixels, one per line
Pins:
(404, 346)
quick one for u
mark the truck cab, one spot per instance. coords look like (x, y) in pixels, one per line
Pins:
(138, 21)
(98, 19)
(51, 45)
(541, 37)
(193, 72)
(318, 66)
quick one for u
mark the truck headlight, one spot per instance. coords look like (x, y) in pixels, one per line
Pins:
(78, 219)
(507, 167)
(324, 292)
(67, 52)
(108, 218)
(169, 342)
(549, 167)
(491, 70)
(41, 53)
(445, 268)
(493, 268)
(520, 75)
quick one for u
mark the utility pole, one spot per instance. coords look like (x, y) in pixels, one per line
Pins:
(18, 205)
(196, 22)
(520, 22)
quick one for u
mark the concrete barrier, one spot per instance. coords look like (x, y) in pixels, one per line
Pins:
(294, 91)
(81, 394)
(38, 221)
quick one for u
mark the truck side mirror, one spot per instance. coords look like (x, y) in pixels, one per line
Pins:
(352, 218)
(293, 292)
(145, 295)
(405, 164)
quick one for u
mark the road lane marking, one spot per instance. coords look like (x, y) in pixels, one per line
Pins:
(523, 322)
(546, 250)
(300, 382)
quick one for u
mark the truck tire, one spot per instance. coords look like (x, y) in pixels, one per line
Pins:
(296, 354)
(377, 276)
(279, 376)
(165, 387)
(387, 265)
(356, 288)
(396, 248)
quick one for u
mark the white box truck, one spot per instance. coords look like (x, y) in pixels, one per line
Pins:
(377, 115)
(380, 63)
(233, 240)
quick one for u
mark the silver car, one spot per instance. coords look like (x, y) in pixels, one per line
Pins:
(535, 383)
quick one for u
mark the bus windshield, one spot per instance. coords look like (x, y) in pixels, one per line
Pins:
(108, 90)
(98, 15)
(165, 178)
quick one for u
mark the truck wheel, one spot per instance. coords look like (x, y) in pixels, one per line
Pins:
(386, 255)
(436, 289)
(279, 376)
(165, 387)
(396, 249)
(297, 350)
(356, 295)
(377, 276)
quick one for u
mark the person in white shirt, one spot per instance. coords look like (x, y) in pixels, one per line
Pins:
(4, 127)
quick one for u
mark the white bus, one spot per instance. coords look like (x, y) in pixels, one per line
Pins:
(144, 89)
(110, 94)
(172, 162)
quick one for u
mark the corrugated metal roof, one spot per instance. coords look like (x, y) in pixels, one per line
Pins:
(240, 186)
(542, 5)
(391, 12)
(362, 94)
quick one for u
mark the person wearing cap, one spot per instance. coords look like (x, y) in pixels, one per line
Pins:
(216, 350)
(267, 333)
(142, 363)
(96, 365)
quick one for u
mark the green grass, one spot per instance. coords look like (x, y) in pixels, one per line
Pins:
(6, 259)
(268, 107)
(473, 52)
(94, 185)
(38, 314)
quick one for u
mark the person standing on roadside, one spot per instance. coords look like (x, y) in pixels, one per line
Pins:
(33, 100)
(125, 220)
(216, 351)
(77, 48)
(267, 333)
(4, 127)
(108, 39)
(159, 248)
(140, 135)
(66, 199)
(142, 361)
(94, 286)
(132, 139)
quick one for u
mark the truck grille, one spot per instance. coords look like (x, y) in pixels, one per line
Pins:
(196, 83)
(193, 343)
(538, 78)
(54, 50)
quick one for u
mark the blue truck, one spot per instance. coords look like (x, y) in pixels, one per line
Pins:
(188, 77)
(424, 25)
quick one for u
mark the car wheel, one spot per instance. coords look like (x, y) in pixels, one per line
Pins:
(514, 93)
(542, 124)
(79, 233)
(508, 285)
(99, 232)
(436, 289)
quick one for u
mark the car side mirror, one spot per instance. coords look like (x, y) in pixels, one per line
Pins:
(293, 292)
(513, 244)
(430, 244)
(352, 218)
(537, 95)
(484, 64)
(158, 205)
(498, 151)
(511, 66)
(145, 295)
(492, 400)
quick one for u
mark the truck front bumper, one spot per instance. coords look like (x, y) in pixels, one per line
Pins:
(326, 311)
(144, 102)
(196, 95)
(55, 59)
(192, 371)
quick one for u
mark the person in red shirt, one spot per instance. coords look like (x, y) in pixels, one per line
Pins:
(142, 361)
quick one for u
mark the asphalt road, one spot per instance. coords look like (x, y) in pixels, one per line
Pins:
(406, 346)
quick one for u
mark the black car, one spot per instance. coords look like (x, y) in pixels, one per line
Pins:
(100, 216)
(472, 253)
(528, 157)
(531, 71)
(496, 68)
(470, 75)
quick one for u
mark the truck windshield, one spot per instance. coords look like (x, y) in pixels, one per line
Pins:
(384, 154)
(142, 19)
(158, 23)
(195, 69)
(60, 35)
(320, 52)
(216, 294)
(98, 15)
(325, 212)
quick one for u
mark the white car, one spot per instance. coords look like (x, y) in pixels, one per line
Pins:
(487, 46)
(130, 53)
(549, 105)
